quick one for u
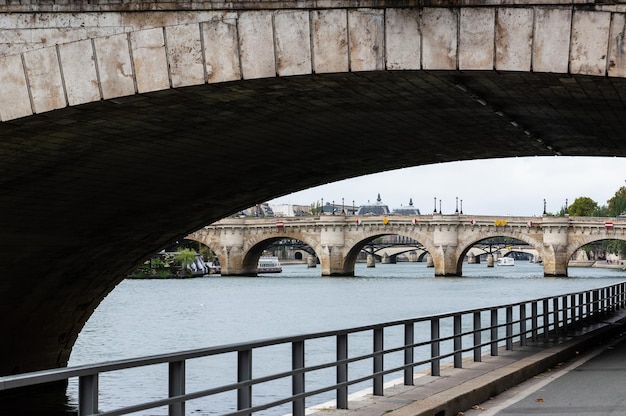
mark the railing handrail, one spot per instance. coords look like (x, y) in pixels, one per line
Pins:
(581, 306)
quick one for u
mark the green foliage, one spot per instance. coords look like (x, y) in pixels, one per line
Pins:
(316, 208)
(583, 207)
(617, 204)
(615, 246)
(186, 257)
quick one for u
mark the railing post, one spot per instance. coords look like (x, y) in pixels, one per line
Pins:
(522, 325)
(534, 311)
(378, 361)
(580, 308)
(555, 314)
(409, 353)
(88, 395)
(458, 342)
(177, 387)
(509, 328)
(596, 303)
(435, 361)
(565, 308)
(477, 337)
(494, 332)
(342, 371)
(297, 380)
(244, 373)
(546, 320)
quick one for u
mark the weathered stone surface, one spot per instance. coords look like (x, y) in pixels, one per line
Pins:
(149, 60)
(617, 47)
(476, 38)
(114, 66)
(514, 36)
(589, 49)
(14, 100)
(551, 41)
(256, 45)
(293, 43)
(221, 48)
(44, 78)
(184, 51)
(403, 39)
(79, 72)
(439, 38)
(367, 39)
(330, 40)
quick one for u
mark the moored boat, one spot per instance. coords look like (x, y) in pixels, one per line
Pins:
(269, 265)
(506, 261)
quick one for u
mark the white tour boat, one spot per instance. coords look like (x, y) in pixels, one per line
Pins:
(269, 265)
(506, 261)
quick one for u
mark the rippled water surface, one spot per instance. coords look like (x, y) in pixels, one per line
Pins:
(143, 317)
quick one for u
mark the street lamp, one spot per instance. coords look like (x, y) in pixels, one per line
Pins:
(435, 209)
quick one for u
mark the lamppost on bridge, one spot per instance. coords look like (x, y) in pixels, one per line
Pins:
(456, 211)
(435, 209)
(544, 206)
(440, 207)
(343, 211)
(461, 207)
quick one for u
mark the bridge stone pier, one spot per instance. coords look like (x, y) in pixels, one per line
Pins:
(337, 240)
(125, 126)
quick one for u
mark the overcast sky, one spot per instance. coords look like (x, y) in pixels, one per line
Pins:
(485, 187)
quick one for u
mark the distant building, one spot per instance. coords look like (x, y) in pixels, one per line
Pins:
(377, 209)
(410, 210)
(287, 210)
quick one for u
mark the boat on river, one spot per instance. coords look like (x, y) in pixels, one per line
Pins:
(506, 261)
(269, 265)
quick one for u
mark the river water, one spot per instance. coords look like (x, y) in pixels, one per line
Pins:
(144, 317)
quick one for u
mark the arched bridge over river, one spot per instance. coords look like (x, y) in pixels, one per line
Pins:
(125, 126)
(337, 240)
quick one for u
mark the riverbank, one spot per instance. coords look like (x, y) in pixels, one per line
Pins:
(599, 264)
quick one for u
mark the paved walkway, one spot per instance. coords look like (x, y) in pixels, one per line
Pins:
(593, 384)
(600, 376)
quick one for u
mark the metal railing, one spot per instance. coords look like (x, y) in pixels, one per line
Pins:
(422, 343)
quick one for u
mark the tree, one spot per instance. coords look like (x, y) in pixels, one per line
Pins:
(583, 206)
(616, 207)
(186, 257)
(617, 204)
(316, 208)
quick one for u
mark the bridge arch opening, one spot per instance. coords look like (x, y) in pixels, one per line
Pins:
(107, 202)
(610, 251)
(283, 248)
(379, 248)
(504, 245)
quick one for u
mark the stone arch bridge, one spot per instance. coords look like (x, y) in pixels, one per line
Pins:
(125, 126)
(337, 240)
